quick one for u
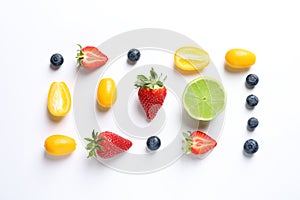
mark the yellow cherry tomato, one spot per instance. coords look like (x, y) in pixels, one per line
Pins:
(240, 58)
(107, 92)
(59, 145)
(59, 99)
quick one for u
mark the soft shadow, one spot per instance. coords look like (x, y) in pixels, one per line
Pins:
(192, 157)
(130, 62)
(249, 107)
(55, 158)
(196, 157)
(249, 86)
(250, 129)
(101, 108)
(85, 71)
(53, 67)
(203, 124)
(246, 155)
(234, 70)
(184, 72)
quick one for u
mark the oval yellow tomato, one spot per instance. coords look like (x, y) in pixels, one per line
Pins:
(240, 58)
(59, 145)
(107, 92)
(59, 99)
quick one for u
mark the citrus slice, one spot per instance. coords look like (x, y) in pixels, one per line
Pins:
(204, 98)
(190, 58)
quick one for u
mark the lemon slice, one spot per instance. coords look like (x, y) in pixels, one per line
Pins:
(191, 58)
(204, 98)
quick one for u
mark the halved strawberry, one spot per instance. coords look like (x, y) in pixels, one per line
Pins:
(106, 144)
(90, 57)
(197, 143)
(152, 93)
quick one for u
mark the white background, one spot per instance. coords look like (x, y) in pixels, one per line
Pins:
(31, 31)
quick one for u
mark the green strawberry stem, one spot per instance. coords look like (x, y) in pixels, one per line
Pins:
(187, 143)
(153, 82)
(93, 144)
(80, 55)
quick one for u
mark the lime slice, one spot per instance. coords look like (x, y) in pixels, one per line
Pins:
(191, 58)
(204, 98)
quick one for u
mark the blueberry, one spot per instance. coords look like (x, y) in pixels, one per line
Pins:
(252, 100)
(133, 55)
(250, 146)
(252, 123)
(56, 60)
(153, 143)
(251, 80)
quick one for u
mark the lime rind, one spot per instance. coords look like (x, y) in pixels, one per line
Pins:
(204, 98)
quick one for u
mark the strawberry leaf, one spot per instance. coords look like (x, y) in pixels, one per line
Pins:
(93, 144)
(90, 146)
(89, 139)
(100, 148)
(153, 74)
(187, 143)
(91, 154)
(101, 139)
(79, 55)
(142, 77)
(94, 135)
(152, 82)
(159, 83)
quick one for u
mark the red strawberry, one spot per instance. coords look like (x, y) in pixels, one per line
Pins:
(197, 143)
(106, 144)
(90, 57)
(152, 93)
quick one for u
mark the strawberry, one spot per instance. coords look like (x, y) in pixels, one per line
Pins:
(106, 144)
(90, 57)
(197, 143)
(152, 93)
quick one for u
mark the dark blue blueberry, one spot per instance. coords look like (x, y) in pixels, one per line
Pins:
(133, 55)
(250, 146)
(251, 80)
(56, 60)
(252, 123)
(153, 143)
(252, 100)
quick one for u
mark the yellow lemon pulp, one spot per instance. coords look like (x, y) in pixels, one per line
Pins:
(190, 58)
